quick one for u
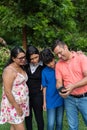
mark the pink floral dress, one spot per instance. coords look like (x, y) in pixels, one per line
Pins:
(20, 93)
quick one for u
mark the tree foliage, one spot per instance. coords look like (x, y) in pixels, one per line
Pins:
(4, 54)
(40, 22)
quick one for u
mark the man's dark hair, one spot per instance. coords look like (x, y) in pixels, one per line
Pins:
(57, 43)
(46, 56)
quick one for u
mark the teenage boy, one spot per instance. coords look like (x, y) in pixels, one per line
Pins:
(53, 102)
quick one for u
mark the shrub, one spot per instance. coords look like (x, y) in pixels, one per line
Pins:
(4, 54)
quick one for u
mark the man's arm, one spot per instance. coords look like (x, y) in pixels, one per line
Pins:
(61, 89)
(80, 83)
(83, 81)
(59, 83)
(83, 65)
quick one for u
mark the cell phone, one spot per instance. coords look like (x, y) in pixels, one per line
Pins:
(61, 88)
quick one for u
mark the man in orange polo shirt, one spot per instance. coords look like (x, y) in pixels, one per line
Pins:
(71, 71)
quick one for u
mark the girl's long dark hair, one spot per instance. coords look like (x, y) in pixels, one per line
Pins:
(30, 51)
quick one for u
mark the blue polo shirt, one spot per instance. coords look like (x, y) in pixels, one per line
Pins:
(53, 99)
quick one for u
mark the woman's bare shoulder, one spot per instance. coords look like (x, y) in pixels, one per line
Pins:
(8, 71)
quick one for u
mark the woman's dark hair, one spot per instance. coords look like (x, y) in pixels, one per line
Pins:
(14, 53)
(46, 56)
(30, 51)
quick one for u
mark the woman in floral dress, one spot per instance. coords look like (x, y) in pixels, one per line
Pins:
(14, 104)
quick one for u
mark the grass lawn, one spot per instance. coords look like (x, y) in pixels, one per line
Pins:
(65, 126)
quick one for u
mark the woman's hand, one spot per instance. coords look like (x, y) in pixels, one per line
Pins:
(19, 110)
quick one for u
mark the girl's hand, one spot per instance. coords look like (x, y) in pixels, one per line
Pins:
(44, 106)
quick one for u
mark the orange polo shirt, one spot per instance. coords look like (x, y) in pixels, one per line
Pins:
(72, 71)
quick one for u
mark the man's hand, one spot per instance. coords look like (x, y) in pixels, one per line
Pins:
(66, 92)
(80, 52)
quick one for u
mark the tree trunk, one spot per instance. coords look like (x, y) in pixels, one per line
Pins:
(24, 41)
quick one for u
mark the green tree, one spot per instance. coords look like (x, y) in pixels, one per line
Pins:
(80, 37)
(81, 14)
(13, 18)
(40, 22)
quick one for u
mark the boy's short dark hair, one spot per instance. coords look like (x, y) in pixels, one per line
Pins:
(46, 56)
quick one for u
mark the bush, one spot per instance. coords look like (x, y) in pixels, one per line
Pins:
(4, 54)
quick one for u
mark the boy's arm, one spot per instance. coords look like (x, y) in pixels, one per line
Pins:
(44, 98)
